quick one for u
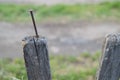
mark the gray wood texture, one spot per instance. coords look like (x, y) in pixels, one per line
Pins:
(110, 60)
(36, 58)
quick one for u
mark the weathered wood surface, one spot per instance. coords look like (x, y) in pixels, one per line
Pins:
(110, 60)
(36, 58)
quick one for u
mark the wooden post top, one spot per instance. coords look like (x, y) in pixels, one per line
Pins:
(31, 39)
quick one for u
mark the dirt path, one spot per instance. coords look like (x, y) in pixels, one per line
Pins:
(63, 37)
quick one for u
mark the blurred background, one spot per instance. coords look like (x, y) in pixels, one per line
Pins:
(75, 31)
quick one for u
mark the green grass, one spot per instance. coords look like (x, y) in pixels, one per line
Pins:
(19, 12)
(83, 67)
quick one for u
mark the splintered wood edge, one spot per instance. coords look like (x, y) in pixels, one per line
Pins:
(112, 40)
(31, 39)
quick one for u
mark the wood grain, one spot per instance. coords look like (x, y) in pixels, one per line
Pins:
(110, 60)
(36, 58)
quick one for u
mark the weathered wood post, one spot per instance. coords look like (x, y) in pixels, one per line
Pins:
(36, 58)
(110, 60)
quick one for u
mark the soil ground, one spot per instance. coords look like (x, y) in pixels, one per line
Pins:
(70, 38)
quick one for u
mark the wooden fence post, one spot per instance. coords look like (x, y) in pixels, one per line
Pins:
(110, 60)
(36, 58)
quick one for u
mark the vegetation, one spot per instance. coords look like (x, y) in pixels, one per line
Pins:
(83, 67)
(19, 12)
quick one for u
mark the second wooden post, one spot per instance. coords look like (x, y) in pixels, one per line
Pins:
(110, 61)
